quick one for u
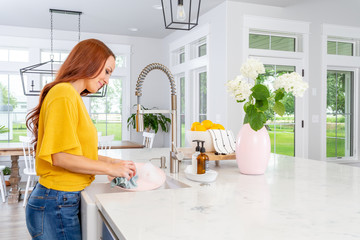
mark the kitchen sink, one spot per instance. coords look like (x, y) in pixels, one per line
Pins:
(171, 183)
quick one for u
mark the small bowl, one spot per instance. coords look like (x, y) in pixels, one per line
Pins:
(200, 135)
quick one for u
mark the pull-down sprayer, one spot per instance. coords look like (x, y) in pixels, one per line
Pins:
(174, 162)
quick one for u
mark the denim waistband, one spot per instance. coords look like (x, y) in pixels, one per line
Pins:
(44, 191)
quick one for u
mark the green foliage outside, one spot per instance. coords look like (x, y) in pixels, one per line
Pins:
(336, 92)
(112, 129)
(6, 171)
(18, 130)
(5, 99)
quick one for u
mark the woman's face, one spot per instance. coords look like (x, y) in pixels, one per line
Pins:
(94, 84)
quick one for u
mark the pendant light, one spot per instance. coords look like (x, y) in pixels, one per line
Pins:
(181, 14)
(36, 76)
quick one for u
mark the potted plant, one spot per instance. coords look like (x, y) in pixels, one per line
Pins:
(3, 129)
(7, 172)
(152, 121)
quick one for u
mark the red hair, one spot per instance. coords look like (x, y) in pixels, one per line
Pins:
(85, 61)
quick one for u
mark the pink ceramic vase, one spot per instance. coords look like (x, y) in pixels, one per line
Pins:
(252, 150)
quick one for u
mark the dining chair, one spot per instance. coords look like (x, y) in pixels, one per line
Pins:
(2, 183)
(148, 139)
(105, 141)
(29, 157)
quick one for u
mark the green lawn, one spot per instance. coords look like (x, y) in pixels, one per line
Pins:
(18, 130)
(284, 143)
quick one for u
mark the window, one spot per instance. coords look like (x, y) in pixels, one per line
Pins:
(340, 48)
(198, 48)
(13, 107)
(339, 114)
(202, 96)
(272, 42)
(202, 50)
(182, 111)
(281, 128)
(106, 112)
(120, 61)
(59, 56)
(178, 56)
(191, 78)
(14, 55)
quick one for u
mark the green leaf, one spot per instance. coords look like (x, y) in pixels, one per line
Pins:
(153, 121)
(262, 105)
(246, 119)
(256, 121)
(263, 117)
(251, 109)
(279, 108)
(279, 95)
(246, 105)
(260, 92)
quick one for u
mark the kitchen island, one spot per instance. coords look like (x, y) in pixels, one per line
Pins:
(295, 199)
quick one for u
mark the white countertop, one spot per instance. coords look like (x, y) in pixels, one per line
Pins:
(295, 199)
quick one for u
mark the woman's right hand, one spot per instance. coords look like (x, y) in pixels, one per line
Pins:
(123, 168)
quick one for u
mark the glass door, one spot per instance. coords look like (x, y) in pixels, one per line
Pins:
(286, 132)
(281, 128)
(340, 114)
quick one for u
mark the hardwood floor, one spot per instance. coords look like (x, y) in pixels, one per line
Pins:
(12, 221)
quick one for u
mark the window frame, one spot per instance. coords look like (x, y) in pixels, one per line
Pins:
(8, 49)
(300, 59)
(356, 72)
(345, 63)
(274, 34)
(337, 40)
(187, 69)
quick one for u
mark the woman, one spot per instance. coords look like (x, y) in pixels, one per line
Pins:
(66, 143)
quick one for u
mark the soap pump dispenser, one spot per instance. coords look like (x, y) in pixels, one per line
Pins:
(194, 156)
(202, 160)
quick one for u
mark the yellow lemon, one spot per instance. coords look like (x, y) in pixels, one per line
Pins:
(200, 128)
(193, 125)
(207, 124)
(217, 126)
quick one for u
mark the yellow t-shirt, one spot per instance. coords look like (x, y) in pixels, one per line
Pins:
(64, 126)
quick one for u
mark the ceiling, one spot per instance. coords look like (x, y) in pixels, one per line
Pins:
(105, 16)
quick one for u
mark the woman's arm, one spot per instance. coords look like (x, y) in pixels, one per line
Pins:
(81, 164)
(106, 159)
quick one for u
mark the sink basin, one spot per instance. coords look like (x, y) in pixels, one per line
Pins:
(90, 219)
(171, 183)
(102, 185)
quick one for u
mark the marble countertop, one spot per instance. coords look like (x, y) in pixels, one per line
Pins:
(295, 199)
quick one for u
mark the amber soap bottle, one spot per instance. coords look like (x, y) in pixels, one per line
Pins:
(202, 160)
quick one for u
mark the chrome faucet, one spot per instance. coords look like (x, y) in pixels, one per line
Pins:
(174, 161)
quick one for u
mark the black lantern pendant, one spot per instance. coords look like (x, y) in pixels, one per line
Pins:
(35, 77)
(181, 14)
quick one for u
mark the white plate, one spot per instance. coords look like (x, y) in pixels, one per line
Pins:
(150, 177)
(209, 176)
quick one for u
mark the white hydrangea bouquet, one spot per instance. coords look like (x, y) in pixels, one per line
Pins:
(259, 96)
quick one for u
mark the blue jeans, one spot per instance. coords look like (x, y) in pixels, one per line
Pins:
(52, 214)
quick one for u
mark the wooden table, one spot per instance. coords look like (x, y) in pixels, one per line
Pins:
(14, 150)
